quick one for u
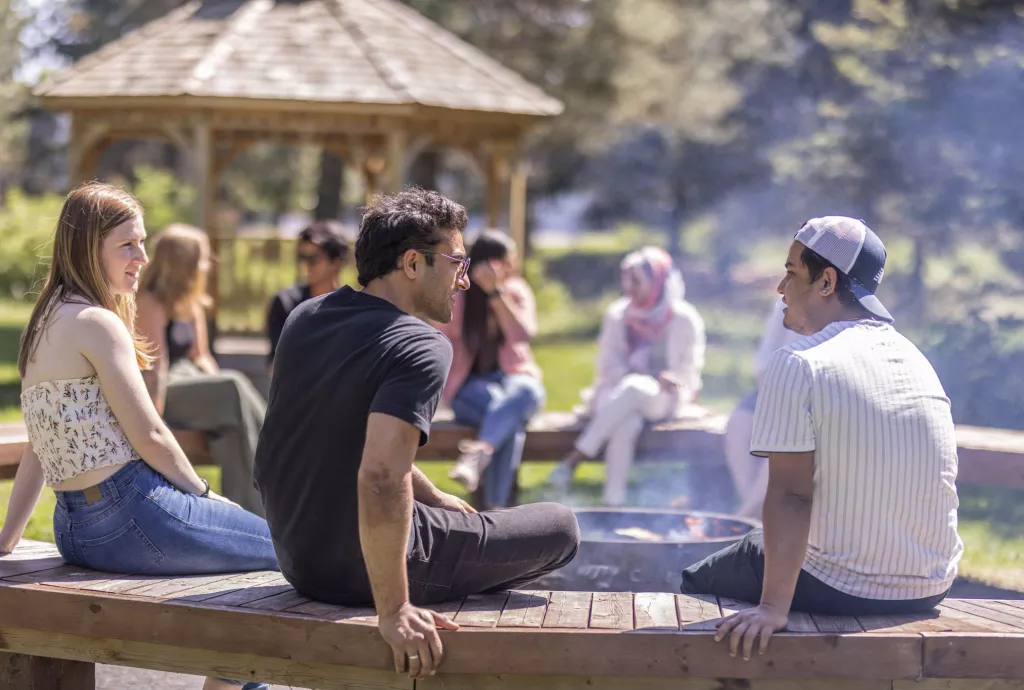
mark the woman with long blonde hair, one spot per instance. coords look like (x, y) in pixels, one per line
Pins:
(185, 383)
(128, 501)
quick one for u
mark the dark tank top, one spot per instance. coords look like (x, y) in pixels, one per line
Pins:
(181, 338)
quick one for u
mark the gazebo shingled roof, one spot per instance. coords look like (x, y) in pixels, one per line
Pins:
(370, 80)
(374, 52)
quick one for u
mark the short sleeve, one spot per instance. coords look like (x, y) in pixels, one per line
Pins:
(412, 385)
(782, 419)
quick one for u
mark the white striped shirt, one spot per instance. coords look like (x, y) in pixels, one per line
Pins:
(870, 406)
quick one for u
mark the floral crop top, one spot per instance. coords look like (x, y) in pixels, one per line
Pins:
(73, 429)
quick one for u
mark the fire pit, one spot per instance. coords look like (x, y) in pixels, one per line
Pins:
(642, 550)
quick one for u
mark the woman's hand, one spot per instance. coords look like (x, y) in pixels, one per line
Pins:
(488, 275)
(214, 496)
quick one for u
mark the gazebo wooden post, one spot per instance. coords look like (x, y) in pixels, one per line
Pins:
(494, 170)
(397, 141)
(206, 180)
(517, 201)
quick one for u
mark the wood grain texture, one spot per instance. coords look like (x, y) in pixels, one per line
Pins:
(655, 610)
(178, 659)
(23, 672)
(568, 610)
(481, 610)
(524, 609)
(697, 613)
(612, 611)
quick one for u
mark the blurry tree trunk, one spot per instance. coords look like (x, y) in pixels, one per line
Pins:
(328, 190)
(424, 170)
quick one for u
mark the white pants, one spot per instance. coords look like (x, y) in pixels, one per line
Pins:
(749, 472)
(616, 425)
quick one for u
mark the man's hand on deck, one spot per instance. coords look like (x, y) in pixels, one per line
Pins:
(744, 628)
(452, 503)
(412, 634)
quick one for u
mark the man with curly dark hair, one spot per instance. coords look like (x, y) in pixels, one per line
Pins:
(358, 376)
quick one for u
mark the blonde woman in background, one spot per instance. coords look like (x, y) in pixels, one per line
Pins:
(128, 501)
(185, 383)
(649, 364)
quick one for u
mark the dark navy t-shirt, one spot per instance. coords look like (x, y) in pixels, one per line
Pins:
(341, 356)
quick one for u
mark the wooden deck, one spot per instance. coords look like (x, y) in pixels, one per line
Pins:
(254, 625)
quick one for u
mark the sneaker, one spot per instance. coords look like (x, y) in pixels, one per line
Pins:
(473, 460)
(561, 477)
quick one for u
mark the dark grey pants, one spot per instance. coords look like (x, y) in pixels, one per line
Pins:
(737, 572)
(452, 555)
(230, 410)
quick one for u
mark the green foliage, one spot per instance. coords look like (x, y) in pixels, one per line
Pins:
(26, 234)
(981, 366)
(164, 198)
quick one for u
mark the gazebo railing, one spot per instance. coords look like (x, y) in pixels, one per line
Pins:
(250, 269)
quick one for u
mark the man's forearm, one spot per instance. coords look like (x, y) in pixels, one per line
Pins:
(787, 524)
(385, 515)
(423, 490)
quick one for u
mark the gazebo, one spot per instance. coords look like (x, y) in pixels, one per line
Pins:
(372, 81)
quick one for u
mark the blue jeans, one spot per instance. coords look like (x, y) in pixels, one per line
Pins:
(499, 405)
(136, 522)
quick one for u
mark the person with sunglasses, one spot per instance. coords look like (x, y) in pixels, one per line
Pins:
(358, 377)
(321, 252)
(495, 384)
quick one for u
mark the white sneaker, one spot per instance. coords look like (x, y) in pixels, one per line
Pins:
(473, 460)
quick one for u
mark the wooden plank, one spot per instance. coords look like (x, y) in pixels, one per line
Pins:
(568, 610)
(168, 587)
(241, 597)
(482, 682)
(612, 611)
(333, 612)
(655, 610)
(800, 622)
(192, 660)
(120, 583)
(524, 609)
(233, 584)
(697, 613)
(912, 624)
(448, 609)
(559, 652)
(991, 609)
(970, 622)
(23, 672)
(278, 602)
(11, 568)
(978, 609)
(66, 576)
(671, 654)
(481, 610)
(973, 655)
(836, 625)
(961, 684)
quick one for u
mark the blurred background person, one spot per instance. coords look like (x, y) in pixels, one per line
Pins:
(649, 365)
(185, 383)
(322, 250)
(750, 472)
(494, 384)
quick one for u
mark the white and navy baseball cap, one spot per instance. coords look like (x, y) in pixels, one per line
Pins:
(851, 246)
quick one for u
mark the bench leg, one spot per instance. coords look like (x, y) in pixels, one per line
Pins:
(43, 673)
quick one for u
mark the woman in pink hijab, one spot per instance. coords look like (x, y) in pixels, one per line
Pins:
(649, 364)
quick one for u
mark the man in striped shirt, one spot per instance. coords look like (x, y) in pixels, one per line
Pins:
(860, 514)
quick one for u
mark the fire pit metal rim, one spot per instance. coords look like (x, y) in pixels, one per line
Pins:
(682, 513)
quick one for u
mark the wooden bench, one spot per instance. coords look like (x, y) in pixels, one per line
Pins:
(988, 457)
(56, 621)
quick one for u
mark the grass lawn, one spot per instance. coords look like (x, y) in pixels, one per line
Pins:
(990, 519)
